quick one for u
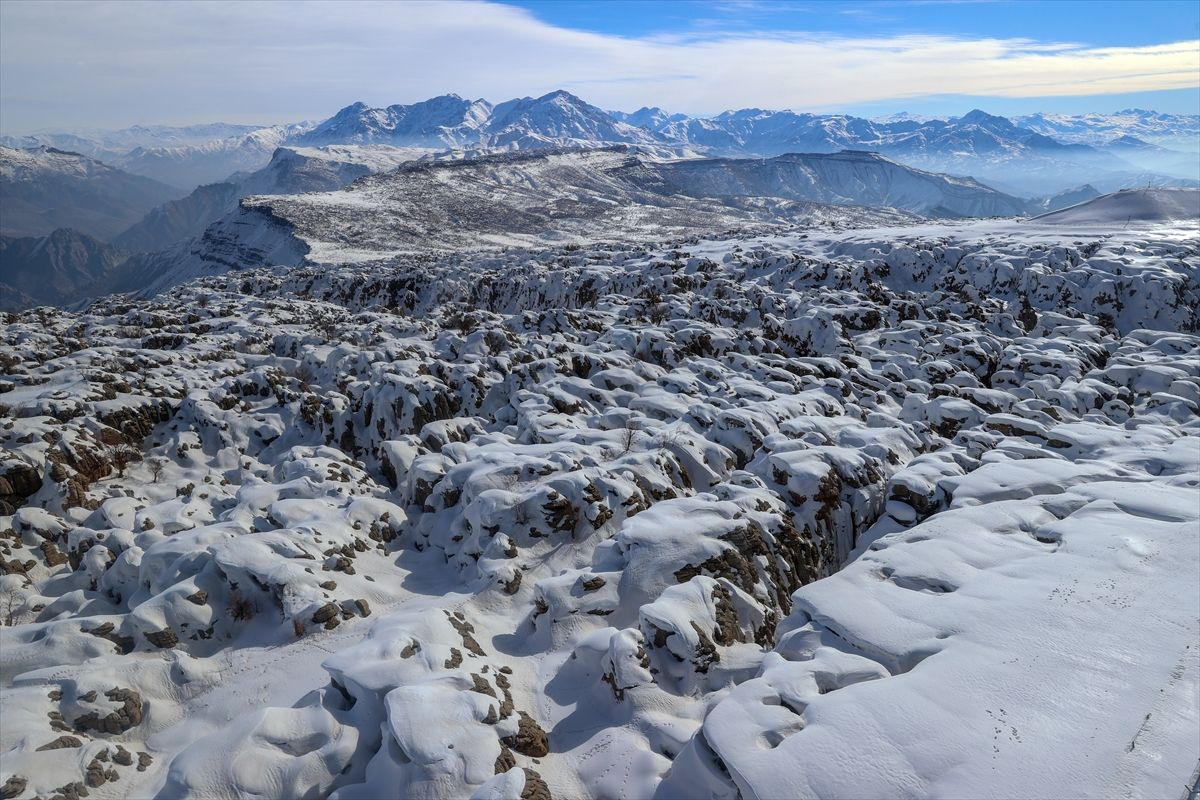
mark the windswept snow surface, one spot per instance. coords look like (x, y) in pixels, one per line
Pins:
(902, 512)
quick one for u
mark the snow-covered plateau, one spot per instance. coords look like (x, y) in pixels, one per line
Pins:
(906, 511)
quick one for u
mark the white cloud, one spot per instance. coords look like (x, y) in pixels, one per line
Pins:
(117, 63)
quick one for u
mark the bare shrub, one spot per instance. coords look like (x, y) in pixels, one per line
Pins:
(241, 608)
(305, 375)
(122, 455)
(157, 465)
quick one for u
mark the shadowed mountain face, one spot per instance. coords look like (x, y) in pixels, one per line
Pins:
(44, 189)
(179, 219)
(1064, 199)
(55, 269)
(846, 178)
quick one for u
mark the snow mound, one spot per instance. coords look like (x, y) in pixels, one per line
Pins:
(1131, 205)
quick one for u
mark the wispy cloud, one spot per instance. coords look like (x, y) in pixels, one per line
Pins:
(118, 63)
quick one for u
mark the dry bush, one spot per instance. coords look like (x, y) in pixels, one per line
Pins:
(241, 608)
(122, 455)
(305, 375)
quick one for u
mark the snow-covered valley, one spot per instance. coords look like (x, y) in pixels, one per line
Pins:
(792, 512)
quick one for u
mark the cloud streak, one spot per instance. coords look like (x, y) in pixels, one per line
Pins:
(111, 64)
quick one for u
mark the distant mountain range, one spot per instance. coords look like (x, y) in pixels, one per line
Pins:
(1033, 155)
(180, 157)
(70, 215)
(1179, 131)
(988, 147)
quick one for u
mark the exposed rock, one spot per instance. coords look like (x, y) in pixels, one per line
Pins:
(13, 787)
(62, 742)
(505, 761)
(530, 739)
(163, 639)
(326, 613)
(535, 788)
(18, 482)
(119, 721)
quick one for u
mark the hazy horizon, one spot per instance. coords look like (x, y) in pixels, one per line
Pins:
(269, 63)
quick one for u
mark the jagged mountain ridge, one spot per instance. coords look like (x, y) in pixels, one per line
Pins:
(552, 120)
(445, 121)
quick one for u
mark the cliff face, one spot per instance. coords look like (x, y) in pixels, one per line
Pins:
(179, 219)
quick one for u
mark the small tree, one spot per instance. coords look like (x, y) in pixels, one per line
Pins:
(157, 465)
(8, 607)
(629, 435)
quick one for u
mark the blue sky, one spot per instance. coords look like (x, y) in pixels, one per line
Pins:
(66, 64)
(1104, 23)
(1110, 22)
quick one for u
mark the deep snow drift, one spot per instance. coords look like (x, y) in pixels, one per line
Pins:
(893, 512)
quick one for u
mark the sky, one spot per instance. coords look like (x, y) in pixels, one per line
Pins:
(70, 65)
